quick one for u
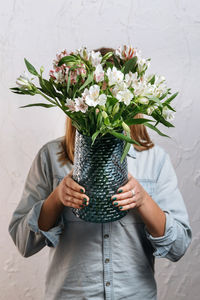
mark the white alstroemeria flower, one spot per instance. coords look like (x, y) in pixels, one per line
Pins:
(159, 79)
(24, 82)
(59, 75)
(95, 58)
(102, 99)
(80, 105)
(93, 98)
(119, 87)
(142, 63)
(150, 109)
(83, 52)
(131, 78)
(85, 93)
(114, 76)
(99, 73)
(160, 90)
(167, 114)
(125, 96)
(143, 100)
(161, 87)
(143, 88)
(70, 104)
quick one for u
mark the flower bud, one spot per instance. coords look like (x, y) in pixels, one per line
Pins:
(126, 127)
(41, 69)
(115, 108)
(104, 114)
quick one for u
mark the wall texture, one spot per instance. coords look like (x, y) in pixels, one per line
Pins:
(166, 31)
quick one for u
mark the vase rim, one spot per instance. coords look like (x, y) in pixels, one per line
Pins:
(105, 136)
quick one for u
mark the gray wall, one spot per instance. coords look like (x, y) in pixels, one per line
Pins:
(166, 31)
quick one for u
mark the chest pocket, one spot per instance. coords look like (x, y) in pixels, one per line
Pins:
(133, 216)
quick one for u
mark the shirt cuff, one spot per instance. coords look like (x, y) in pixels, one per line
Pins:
(162, 244)
(52, 235)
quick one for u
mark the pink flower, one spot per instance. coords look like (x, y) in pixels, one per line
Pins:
(81, 105)
(126, 52)
(59, 56)
(70, 105)
(99, 73)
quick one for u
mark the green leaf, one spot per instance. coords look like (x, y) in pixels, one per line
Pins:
(99, 119)
(116, 62)
(130, 65)
(15, 89)
(169, 106)
(18, 92)
(171, 98)
(156, 100)
(137, 121)
(95, 135)
(125, 152)
(156, 129)
(123, 137)
(68, 81)
(164, 95)
(75, 124)
(161, 119)
(30, 68)
(38, 104)
(106, 56)
(48, 88)
(126, 148)
(88, 81)
(152, 80)
(67, 59)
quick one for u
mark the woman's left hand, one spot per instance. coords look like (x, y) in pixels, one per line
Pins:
(130, 195)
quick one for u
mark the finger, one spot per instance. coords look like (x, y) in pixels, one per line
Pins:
(75, 194)
(121, 196)
(74, 201)
(74, 185)
(127, 187)
(126, 207)
(74, 205)
(125, 201)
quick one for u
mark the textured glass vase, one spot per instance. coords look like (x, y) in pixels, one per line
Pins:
(99, 170)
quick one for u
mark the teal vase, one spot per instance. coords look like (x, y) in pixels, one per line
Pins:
(98, 169)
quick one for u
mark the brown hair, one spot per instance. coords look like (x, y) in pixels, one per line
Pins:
(138, 132)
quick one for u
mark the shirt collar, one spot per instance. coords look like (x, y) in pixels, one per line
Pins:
(132, 152)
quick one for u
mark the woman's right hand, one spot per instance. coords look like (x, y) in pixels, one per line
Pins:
(70, 193)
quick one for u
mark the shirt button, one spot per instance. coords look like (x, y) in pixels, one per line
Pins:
(106, 236)
(107, 283)
(107, 260)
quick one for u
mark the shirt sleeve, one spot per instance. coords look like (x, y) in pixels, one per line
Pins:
(178, 234)
(23, 226)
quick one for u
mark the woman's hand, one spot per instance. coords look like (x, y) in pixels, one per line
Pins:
(70, 193)
(131, 195)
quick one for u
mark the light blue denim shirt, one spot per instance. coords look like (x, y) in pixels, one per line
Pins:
(96, 261)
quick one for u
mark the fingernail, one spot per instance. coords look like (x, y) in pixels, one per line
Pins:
(120, 207)
(84, 200)
(114, 198)
(81, 190)
(81, 206)
(120, 191)
(115, 203)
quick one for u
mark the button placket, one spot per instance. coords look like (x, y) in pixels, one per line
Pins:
(107, 261)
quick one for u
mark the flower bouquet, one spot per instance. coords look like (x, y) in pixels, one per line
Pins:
(102, 95)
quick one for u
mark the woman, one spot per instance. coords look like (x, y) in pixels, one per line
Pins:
(102, 260)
